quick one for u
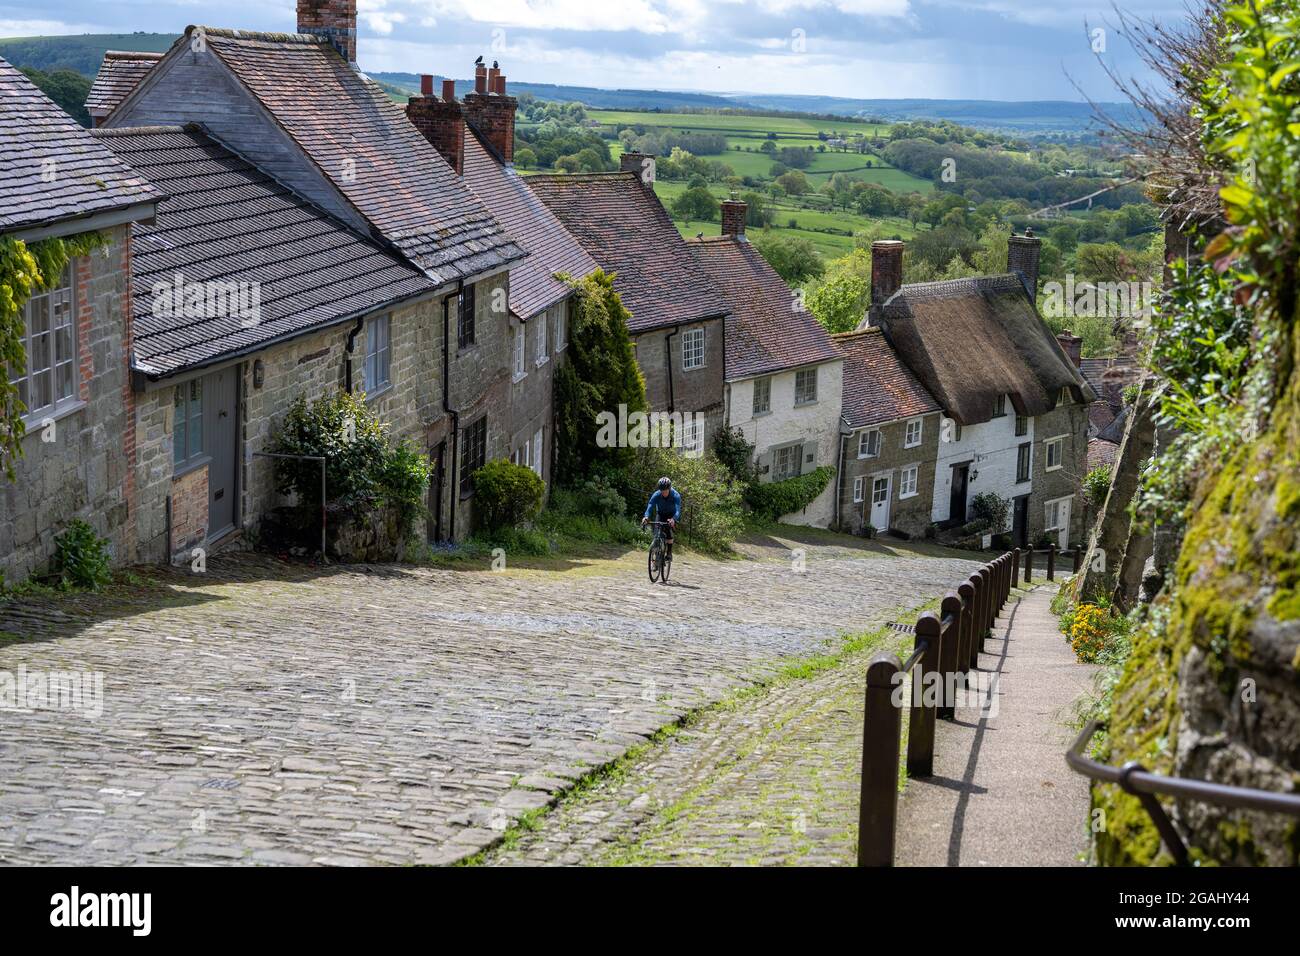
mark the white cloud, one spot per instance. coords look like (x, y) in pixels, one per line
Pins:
(378, 18)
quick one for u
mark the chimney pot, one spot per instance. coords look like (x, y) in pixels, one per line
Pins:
(449, 91)
(733, 217)
(493, 73)
(501, 84)
(491, 112)
(426, 84)
(1022, 256)
(640, 163)
(1072, 345)
(886, 270)
(480, 78)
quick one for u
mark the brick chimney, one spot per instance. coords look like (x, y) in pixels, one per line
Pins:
(734, 212)
(643, 164)
(492, 112)
(335, 20)
(440, 120)
(1073, 346)
(1022, 257)
(886, 270)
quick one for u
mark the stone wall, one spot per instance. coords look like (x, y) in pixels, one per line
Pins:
(911, 515)
(532, 396)
(1070, 420)
(79, 464)
(699, 390)
(189, 530)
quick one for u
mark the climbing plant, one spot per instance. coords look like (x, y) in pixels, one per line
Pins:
(25, 269)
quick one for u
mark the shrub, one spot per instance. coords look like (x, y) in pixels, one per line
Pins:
(712, 500)
(773, 499)
(1089, 629)
(403, 477)
(598, 498)
(736, 454)
(81, 557)
(990, 509)
(506, 495)
(1096, 484)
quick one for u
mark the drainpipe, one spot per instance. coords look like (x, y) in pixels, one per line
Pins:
(446, 407)
(347, 361)
(839, 479)
(668, 359)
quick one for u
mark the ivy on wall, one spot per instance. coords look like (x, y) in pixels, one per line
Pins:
(25, 269)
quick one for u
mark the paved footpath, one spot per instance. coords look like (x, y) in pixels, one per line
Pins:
(266, 713)
(1001, 794)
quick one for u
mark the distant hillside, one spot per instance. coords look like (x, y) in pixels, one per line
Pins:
(590, 95)
(80, 53)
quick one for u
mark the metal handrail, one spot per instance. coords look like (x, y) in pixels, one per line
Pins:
(1137, 780)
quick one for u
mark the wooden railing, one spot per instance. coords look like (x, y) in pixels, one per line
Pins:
(947, 644)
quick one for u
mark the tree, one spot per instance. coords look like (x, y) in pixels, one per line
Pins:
(795, 183)
(840, 299)
(525, 158)
(600, 375)
(795, 260)
(695, 203)
(67, 88)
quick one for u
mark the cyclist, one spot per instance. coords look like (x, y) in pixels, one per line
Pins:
(666, 505)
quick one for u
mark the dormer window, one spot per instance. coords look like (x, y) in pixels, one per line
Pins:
(1000, 406)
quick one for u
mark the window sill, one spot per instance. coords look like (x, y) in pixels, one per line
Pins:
(183, 469)
(35, 421)
(905, 497)
(540, 362)
(806, 404)
(1053, 468)
(917, 445)
(380, 393)
(1022, 481)
(763, 414)
(693, 368)
(518, 377)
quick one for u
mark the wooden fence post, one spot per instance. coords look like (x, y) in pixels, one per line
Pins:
(920, 725)
(1051, 561)
(881, 736)
(1015, 568)
(967, 592)
(976, 585)
(949, 661)
(986, 609)
(1029, 565)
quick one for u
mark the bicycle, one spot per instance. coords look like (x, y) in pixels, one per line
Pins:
(661, 559)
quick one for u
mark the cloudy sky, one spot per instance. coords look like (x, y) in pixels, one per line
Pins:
(951, 49)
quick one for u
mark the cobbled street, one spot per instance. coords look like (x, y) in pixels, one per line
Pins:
(269, 713)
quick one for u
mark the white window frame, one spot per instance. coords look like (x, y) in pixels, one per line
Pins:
(1000, 406)
(908, 441)
(1052, 514)
(561, 325)
(537, 453)
(58, 356)
(692, 349)
(858, 489)
(379, 354)
(796, 452)
(692, 436)
(542, 356)
(1057, 441)
(864, 441)
(804, 372)
(521, 350)
(914, 471)
(766, 383)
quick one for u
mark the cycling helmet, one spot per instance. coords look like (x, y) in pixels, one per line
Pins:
(665, 483)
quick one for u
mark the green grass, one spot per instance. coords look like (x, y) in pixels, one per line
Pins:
(732, 124)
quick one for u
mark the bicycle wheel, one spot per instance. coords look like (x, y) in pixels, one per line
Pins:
(665, 565)
(655, 560)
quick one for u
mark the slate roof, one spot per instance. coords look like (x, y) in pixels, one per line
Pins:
(551, 248)
(363, 142)
(765, 331)
(225, 220)
(970, 340)
(118, 75)
(625, 228)
(1101, 452)
(39, 142)
(878, 387)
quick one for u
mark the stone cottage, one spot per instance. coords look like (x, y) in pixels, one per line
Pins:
(297, 108)
(74, 386)
(677, 314)
(783, 375)
(476, 138)
(1016, 404)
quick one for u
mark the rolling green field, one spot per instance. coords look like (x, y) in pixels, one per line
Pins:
(735, 125)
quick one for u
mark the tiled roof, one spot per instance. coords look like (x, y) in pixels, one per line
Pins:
(626, 230)
(767, 330)
(878, 387)
(971, 340)
(363, 142)
(226, 221)
(50, 168)
(1101, 452)
(551, 248)
(118, 75)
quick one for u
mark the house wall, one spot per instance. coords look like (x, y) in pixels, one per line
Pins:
(991, 449)
(698, 390)
(1066, 482)
(532, 405)
(816, 425)
(911, 515)
(81, 467)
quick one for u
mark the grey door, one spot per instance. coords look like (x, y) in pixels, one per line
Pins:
(219, 428)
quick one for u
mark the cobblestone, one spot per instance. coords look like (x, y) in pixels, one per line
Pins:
(267, 713)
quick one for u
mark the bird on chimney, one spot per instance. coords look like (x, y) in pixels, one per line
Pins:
(479, 61)
(496, 65)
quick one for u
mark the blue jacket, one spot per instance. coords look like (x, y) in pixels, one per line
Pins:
(670, 507)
